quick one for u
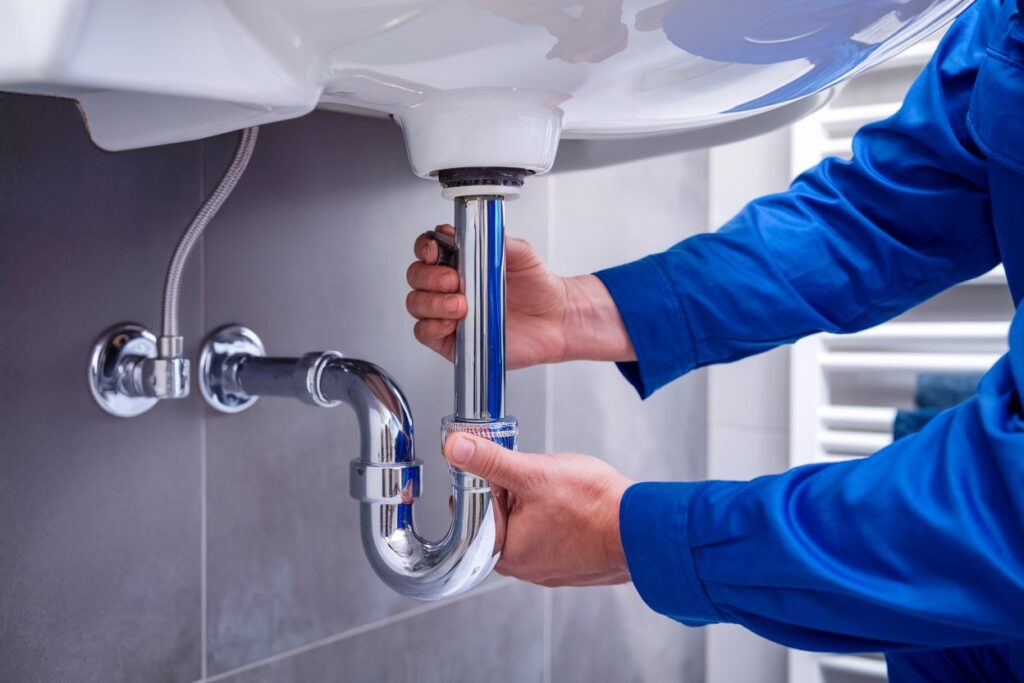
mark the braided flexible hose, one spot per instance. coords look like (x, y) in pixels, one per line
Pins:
(188, 241)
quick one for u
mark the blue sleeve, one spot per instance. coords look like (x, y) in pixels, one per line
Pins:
(850, 244)
(919, 546)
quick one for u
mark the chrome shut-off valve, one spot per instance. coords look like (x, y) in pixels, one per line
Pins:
(130, 369)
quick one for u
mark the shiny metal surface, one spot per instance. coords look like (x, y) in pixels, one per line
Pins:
(218, 367)
(503, 431)
(165, 376)
(480, 337)
(127, 384)
(391, 483)
(386, 476)
(116, 367)
(313, 366)
(170, 347)
(125, 364)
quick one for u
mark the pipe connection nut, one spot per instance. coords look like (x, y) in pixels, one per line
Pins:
(166, 377)
(310, 389)
(389, 484)
(155, 377)
(503, 431)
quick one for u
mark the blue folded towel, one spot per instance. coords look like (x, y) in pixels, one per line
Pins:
(944, 390)
(909, 421)
(934, 393)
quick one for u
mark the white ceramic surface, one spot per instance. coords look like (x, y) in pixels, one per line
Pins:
(473, 82)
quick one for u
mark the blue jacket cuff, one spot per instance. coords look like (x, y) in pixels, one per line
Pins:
(655, 322)
(654, 523)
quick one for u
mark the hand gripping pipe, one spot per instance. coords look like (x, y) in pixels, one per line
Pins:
(467, 553)
(386, 476)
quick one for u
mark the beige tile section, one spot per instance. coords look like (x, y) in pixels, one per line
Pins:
(752, 393)
(734, 654)
(740, 454)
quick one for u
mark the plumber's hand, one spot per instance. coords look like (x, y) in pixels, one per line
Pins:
(537, 303)
(549, 318)
(562, 524)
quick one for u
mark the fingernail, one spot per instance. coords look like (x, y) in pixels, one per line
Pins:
(462, 451)
(451, 303)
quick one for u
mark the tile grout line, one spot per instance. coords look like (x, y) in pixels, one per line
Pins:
(548, 644)
(203, 611)
(359, 630)
(549, 446)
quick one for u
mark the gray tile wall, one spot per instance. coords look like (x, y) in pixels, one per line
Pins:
(100, 519)
(187, 544)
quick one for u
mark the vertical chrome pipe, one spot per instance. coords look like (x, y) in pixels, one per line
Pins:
(386, 477)
(480, 338)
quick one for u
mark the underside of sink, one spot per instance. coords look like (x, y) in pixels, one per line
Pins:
(472, 82)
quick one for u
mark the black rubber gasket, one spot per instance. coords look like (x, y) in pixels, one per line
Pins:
(463, 177)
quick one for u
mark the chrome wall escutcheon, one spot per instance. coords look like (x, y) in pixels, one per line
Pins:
(116, 367)
(222, 353)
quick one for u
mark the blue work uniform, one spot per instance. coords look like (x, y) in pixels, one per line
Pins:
(917, 551)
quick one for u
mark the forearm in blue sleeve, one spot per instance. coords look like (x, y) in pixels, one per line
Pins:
(919, 546)
(850, 244)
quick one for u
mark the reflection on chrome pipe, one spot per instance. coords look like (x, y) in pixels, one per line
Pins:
(480, 338)
(386, 477)
(468, 552)
(386, 480)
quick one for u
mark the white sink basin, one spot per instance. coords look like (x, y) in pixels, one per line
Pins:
(472, 82)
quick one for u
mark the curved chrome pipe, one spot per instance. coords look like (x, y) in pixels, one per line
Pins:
(386, 477)
(386, 480)
(380, 479)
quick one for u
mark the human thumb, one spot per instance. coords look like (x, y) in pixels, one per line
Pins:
(487, 459)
